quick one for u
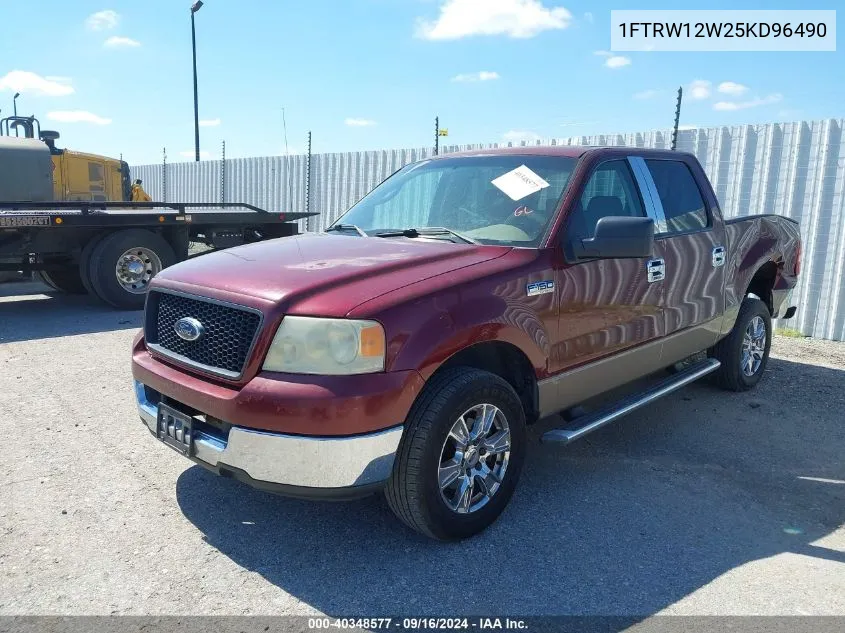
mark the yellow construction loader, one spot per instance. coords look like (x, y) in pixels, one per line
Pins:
(75, 175)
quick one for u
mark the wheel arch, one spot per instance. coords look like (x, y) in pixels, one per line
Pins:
(505, 360)
(762, 284)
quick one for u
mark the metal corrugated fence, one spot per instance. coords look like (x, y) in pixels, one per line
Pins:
(792, 169)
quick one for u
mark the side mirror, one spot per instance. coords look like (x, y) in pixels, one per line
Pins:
(617, 237)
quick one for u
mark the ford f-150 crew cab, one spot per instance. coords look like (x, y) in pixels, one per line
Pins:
(406, 348)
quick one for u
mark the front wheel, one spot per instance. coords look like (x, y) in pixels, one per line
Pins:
(744, 353)
(461, 455)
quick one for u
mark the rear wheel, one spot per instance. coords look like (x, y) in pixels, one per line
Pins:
(65, 279)
(744, 353)
(460, 456)
(122, 265)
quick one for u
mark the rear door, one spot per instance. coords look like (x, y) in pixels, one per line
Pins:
(693, 247)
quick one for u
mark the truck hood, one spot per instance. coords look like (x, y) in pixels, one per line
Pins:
(321, 274)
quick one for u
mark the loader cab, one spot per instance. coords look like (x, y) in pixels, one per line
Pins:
(76, 175)
(90, 177)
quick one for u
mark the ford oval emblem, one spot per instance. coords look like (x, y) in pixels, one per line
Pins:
(189, 329)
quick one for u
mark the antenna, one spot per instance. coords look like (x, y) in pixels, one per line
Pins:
(677, 119)
(287, 163)
(285, 128)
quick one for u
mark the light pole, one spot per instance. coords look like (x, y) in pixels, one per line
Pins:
(15, 106)
(196, 6)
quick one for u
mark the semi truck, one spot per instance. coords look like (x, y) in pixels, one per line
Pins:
(66, 217)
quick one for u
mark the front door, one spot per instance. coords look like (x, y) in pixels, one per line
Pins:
(607, 306)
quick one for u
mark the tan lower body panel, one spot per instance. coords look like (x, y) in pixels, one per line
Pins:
(572, 387)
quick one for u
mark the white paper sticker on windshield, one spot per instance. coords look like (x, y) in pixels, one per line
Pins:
(519, 183)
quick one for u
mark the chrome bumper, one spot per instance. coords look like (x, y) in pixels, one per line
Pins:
(291, 460)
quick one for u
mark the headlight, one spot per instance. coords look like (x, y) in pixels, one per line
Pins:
(309, 345)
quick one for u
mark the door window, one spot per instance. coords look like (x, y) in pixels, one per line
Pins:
(680, 196)
(96, 178)
(610, 191)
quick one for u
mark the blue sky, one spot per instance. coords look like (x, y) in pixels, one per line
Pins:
(114, 76)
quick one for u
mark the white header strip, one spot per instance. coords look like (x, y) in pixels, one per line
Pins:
(709, 30)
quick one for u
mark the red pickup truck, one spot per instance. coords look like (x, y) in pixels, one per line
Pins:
(406, 348)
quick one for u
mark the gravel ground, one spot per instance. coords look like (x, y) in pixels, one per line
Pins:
(703, 503)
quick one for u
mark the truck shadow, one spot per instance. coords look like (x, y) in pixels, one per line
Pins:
(628, 522)
(31, 310)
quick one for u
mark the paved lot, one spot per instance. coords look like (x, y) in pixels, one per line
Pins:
(704, 503)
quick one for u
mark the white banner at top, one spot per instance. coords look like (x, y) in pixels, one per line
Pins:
(722, 30)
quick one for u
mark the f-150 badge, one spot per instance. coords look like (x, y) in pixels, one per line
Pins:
(539, 288)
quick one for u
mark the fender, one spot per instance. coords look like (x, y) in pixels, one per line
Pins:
(754, 242)
(451, 323)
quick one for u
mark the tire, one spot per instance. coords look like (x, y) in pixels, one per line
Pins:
(107, 254)
(413, 491)
(733, 375)
(65, 280)
(85, 262)
(39, 275)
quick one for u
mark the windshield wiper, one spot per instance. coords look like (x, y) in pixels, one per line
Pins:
(425, 231)
(347, 227)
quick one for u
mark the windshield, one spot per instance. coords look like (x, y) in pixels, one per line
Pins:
(496, 199)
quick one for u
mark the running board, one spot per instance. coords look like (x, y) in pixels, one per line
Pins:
(611, 413)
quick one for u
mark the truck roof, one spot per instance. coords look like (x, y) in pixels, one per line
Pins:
(568, 151)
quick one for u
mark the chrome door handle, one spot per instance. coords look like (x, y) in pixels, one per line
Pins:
(719, 256)
(656, 269)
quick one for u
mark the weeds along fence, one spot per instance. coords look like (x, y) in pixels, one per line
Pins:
(792, 169)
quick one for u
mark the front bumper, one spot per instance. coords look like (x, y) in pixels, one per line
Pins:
(294, 465)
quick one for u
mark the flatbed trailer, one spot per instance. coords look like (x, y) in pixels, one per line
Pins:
(112, 250)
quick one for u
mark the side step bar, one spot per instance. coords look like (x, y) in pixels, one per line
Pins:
(610, 413)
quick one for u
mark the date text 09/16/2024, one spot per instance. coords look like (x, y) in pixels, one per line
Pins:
(419, 624)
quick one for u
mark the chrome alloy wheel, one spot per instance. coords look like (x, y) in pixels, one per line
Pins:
(753, 346)
(474, 458)
(135, 268)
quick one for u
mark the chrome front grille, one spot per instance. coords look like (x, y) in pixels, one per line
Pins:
(228, 332)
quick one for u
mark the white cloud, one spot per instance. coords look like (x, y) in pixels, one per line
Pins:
(617, 61)
(588, 16)
(484, 75)
(29, 83)
(732, 88)
(359, 122)
(729, 106)
(646, 94)
(209, 122)
(77, 116)
(192, 154)
(613, 61)
(514, 18)
(116, 41)
(699, 89)
(102, 20)
(517, 136)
